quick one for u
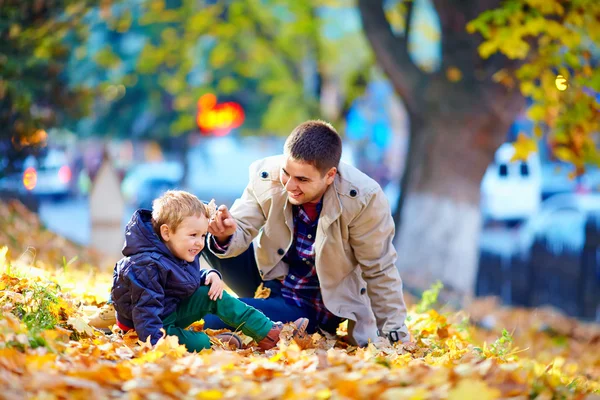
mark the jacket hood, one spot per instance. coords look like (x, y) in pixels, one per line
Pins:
(140, 236)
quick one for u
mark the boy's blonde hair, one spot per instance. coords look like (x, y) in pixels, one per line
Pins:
(173, 206)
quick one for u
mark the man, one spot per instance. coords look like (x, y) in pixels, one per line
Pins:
(319, 233)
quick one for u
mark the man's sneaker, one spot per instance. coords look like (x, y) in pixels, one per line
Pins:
(104, 318)
(232, 340)
(272, 338)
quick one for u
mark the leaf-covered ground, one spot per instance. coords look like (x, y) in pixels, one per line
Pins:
(48, 351)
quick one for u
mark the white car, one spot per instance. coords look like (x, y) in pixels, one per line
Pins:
(50, 176)
(511, 190)
(561, 219)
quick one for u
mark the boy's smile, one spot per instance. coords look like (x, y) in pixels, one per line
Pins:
(187, 241)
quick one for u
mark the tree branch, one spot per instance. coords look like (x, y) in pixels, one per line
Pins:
(459, 48)
(391, 51)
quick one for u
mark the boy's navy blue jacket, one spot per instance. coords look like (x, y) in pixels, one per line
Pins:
(149, 282)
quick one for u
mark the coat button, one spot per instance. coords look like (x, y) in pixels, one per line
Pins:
(281, 252)
(363, 291)
(353, 193)
(264, 174)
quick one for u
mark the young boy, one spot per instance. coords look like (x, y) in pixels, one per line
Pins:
(159, 283)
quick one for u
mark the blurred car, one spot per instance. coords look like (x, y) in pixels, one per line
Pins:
(147, 181)
(511, 190)
(560, 219)
(48, 176)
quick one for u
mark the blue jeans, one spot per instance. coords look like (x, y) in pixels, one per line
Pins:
(275, 307)
(241, 275)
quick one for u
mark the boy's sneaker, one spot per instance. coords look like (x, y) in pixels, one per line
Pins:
(272, 337)
(104, 318)
(230, 339)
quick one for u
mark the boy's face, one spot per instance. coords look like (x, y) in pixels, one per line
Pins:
(188, 240)
(304, 182)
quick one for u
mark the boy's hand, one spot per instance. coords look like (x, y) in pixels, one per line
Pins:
(216, 286)
(222, 225)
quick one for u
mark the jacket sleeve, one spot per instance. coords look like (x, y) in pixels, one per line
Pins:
(147, 298)
(249, 218)
(370, 236)
(204, 274)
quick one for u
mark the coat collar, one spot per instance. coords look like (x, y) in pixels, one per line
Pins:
(332, 206)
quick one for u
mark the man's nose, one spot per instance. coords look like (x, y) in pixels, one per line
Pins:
(289, 185)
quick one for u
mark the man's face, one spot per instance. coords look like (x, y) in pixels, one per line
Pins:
(188, 240)
(303, 182)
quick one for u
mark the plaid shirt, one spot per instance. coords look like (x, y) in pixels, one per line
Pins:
(301, 285)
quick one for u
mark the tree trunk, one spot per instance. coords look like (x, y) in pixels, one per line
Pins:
(455, 128)
(450, 150)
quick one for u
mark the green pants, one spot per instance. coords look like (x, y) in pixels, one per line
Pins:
(231, 310)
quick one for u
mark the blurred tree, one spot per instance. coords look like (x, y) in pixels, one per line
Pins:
(155, 58)
(460, 113)
(34, 41)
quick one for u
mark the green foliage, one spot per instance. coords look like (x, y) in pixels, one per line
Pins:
(35, 37)
(270, 56)
(503, 345)
(38, 312)
(430, 297)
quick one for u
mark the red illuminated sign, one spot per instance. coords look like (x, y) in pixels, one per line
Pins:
(30, 178)
(218, 119)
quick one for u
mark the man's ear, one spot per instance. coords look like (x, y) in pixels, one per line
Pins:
(330, 175)
(165, 232)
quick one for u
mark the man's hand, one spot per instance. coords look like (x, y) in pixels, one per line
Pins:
(222, 225)
(216, 286)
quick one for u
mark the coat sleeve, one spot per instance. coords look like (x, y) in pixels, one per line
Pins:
(147, 298)
(249, 218)
(370, 236)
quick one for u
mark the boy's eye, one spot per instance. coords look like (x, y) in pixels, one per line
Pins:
(193, 235)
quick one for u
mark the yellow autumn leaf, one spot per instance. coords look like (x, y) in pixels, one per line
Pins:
(213, 394)
(536, 113)
(523, 146)
(472, 389)
(453, 74)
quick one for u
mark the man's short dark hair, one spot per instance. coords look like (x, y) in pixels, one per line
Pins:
(316, 143)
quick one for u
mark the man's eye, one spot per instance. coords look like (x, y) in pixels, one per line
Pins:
(193, 235)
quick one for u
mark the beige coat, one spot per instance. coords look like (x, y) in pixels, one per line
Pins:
(355, 257)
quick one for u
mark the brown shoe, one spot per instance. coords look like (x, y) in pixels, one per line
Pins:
(104, 318)
(272, 338)
(232, 340)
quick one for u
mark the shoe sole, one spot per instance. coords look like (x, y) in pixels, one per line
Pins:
(231, 339)
(301, 325)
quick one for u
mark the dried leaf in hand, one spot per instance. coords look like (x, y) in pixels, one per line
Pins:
(212, 208)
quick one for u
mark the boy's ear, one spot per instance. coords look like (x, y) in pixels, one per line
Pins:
(165, 233)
